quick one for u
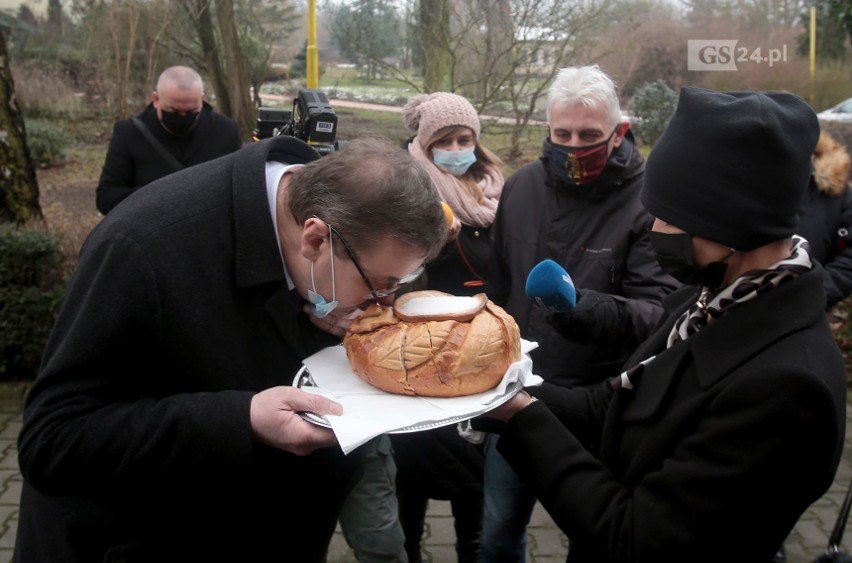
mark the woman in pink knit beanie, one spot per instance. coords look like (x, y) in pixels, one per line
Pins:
(439, 463)
(469, 178)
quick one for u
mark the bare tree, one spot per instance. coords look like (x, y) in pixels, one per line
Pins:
(54, 17)
(236, 67)
(644, 41)
(162, 9)
(18, 183)
(123, 20)
(129, 42)
(435, 42)
(756, 15)
(498, 22)
(501, 54)
(201, 17)
(530, 40)
(123, 42)
(263, 26)
(225, 46)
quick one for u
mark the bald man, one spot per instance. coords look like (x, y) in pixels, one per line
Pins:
(176, 130)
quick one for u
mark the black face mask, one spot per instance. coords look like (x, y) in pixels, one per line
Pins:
(674, 253)
(178, 125)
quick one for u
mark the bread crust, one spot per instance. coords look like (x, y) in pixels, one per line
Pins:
(433, 358)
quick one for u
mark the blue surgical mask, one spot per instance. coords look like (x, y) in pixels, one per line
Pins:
(454, 162)
(321, 308)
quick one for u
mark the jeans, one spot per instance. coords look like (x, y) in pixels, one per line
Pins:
(509, 505)
(370, 516)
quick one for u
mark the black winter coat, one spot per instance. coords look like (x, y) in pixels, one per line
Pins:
(725, 441)
(131, 162)
(136, 439)
(599, 234)
(461, 267)
(825, 219)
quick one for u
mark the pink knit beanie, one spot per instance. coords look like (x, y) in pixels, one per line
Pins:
(426, 114)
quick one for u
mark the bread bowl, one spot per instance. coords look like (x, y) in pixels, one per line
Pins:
(433, 344)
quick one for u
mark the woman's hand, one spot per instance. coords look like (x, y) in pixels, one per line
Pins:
(511, 407)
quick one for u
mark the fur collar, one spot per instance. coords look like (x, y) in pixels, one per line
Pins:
(831, 165)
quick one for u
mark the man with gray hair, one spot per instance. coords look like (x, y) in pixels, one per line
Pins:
(578, 205)
(177, 129)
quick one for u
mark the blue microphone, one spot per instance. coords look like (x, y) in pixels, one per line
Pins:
(551, 286)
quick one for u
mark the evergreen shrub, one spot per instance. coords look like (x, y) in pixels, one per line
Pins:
(652, 107)
(47, 143)
(31, 292)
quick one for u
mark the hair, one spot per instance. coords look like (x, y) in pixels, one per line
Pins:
(183, 77)
(484, 159)
(371, 190)
(587, 85)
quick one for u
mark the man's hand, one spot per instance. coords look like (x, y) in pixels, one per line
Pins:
(336, 322)
(598, 317)
(275, 420)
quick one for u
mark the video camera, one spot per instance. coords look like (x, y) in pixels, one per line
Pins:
(312, 120)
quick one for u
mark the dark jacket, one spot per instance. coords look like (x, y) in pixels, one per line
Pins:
(438, 464)
(599, 234)
(136, 433)
(725, 441)
(131, 162)
(826, 218)
(461, 267)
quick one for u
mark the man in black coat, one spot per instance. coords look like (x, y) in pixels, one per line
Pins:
(163, 425)
(177, 129)
(729, 421)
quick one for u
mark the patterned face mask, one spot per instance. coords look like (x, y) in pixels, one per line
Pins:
(581, 164)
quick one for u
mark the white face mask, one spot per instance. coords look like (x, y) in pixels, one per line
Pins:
(320, 307)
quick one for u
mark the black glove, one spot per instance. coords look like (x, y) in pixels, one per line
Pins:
(597, 317)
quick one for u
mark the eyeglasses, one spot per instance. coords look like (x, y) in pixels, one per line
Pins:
(375, 293)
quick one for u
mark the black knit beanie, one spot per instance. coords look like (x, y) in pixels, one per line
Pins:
(731, 167)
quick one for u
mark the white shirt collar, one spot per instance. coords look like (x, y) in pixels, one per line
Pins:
(274, 172)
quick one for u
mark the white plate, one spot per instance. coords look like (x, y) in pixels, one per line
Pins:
(303, 379)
